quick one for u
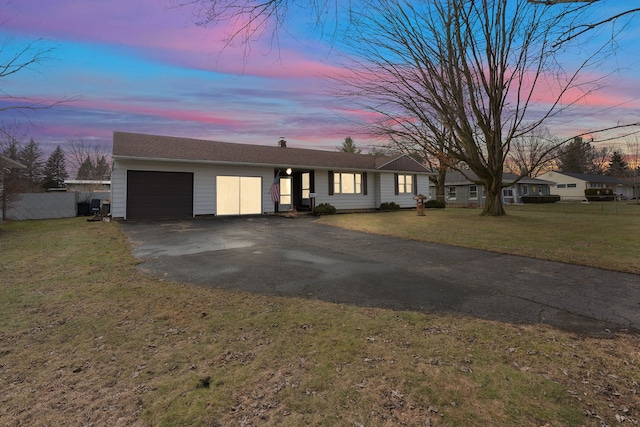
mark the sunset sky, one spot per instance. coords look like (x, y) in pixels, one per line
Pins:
(144, 66)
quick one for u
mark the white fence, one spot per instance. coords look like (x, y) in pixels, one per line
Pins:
(49, 205)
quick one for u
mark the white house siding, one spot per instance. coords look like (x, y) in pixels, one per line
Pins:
(388, 191)
(424, 186)
(204, 182)
(572, 193)
(344, 201)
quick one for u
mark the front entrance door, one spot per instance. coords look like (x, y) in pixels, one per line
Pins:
(286, 198)
(302, 188)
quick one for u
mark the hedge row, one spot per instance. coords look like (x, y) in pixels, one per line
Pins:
(599, 194)
(540, 199)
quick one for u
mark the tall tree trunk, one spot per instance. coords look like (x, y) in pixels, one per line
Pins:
(439, 181)
(493, 205)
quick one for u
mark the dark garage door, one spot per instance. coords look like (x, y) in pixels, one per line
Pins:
(159, 194)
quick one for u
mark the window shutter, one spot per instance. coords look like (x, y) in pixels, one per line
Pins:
(364, 183)
(415, 184)
(331, 183)
(312, 182)
(395, 184)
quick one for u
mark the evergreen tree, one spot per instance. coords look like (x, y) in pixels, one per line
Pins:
(617, 166)
(12, 150)
(102, 170)
(575, 156)
(31, 157)
(581, 157)
(55, 171)
(86, 169)
(349, 146)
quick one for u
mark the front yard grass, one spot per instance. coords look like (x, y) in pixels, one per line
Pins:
(605, 241)
(85, 339)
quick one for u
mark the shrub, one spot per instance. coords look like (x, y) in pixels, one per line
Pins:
(324, 209)
(599, 194)
(541, 199)
(434, 204)
(389, 206)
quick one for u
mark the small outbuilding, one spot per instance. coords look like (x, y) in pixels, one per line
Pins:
(172, 177)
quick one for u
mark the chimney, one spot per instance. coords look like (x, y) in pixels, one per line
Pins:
(282, 143)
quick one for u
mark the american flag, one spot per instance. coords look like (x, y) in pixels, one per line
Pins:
(275, 189)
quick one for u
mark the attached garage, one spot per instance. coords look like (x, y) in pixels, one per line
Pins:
(152, 194)
(239, 195)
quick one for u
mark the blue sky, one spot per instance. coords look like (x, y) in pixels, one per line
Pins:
(143, 66)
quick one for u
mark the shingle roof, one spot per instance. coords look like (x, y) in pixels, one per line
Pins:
(155, 147)
(6, 162)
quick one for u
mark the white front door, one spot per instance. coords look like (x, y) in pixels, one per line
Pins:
(286, 199)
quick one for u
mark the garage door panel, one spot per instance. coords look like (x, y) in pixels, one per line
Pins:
(152, 194)
(250, 195)
(228, 194)
(238, 195)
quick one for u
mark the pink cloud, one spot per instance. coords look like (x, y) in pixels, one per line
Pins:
(165, 34)
(159, 112)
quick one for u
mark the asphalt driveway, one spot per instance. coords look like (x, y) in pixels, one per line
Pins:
(298, 257)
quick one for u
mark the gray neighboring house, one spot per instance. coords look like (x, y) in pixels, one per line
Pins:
(464, 189)
(571, 186)
(170, 177)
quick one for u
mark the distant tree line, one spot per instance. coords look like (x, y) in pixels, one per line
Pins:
(44, 173)
(580, 156)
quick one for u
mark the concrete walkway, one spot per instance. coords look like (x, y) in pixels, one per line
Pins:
(298, 257)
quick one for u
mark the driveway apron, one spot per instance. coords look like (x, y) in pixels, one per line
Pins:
(301, 258)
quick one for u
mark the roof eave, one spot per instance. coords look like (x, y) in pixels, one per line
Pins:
(270, 165)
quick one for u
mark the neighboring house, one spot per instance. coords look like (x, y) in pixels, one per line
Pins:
(571, 186)
(162, 176)
(87, 185)
(464, 188)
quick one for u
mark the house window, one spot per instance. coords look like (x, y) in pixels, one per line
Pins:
(451, 193)
(285, 191)
(405, 184)
(535, 189)
(572, 185)
(347, 183)
(562, 186)
(525, 190)
(507, 192)
(473, 191)
(306, 185)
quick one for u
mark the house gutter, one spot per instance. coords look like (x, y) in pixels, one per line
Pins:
(271, 165)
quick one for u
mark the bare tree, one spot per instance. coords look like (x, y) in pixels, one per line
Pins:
(251, 18)
(473, 67)
(16, 58)
(532, 152)
(89, 160)
(600, 157)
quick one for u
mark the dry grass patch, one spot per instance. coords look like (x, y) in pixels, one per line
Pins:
(604, 241)
(86, 339)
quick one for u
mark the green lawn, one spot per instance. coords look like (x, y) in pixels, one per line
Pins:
(86, 339)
